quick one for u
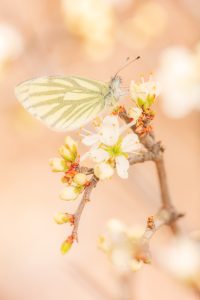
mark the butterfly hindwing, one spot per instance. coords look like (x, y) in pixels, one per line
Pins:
(63, 103)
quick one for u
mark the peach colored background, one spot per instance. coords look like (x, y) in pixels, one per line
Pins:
(31, 266)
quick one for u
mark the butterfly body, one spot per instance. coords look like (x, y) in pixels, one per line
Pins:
(67, 103)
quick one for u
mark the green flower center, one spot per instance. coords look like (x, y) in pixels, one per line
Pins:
(114, 150)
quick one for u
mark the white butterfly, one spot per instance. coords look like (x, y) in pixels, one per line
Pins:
(67, 103)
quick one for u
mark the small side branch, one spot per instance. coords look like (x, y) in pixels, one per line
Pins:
(85, 198)
(165, 216)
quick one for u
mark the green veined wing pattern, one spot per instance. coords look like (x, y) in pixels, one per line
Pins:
(63, 103)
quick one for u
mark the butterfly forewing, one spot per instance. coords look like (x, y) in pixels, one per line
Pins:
(63, 103)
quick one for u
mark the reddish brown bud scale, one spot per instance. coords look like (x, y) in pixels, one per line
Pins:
(150, 222)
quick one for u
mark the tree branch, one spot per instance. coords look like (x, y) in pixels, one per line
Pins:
(155, 150)
(167, 215)
(133, 159)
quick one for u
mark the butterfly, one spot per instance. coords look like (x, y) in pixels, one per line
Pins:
(68, 103)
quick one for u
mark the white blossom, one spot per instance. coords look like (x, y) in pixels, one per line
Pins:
(121, 246)
(144, 93)
(109, 146)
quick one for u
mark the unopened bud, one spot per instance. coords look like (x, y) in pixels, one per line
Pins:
(66, 153)
(69, 193)
(80, 178)
(66, 245)
(58, 164)
(70, 143)
(103, 171)
(62, 218)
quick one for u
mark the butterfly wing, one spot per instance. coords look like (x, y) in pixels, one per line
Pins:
(63, 103)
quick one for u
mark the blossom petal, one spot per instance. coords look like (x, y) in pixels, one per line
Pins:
(137, 91)
(130, 143)
(99, 155)
(109, 130)
(91, 139)
(122, 165)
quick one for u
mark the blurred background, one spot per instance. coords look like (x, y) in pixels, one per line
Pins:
(93, 38)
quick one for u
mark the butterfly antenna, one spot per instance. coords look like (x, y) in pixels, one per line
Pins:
(127, 64)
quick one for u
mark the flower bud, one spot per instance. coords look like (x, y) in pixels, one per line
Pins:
(66, 153)
(58, 164)
(80, 178)
(66, 245)
(144, 93)
(103, 171)
(70, 143)
(62, 218)
(69, 193)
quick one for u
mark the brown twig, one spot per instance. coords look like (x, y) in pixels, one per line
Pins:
(142, 157)
(154, 223)
(86, 197)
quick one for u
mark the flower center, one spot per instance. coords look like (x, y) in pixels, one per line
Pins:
(114, 150)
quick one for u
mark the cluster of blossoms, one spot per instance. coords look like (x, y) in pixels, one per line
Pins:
(111, 145)
(179, 74)
(121, 243)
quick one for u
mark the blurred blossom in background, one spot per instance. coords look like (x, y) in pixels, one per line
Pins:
(179, 74)
(11, 45)
(93, 22)
(119, 243)
(183, 259)
(93, 38)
